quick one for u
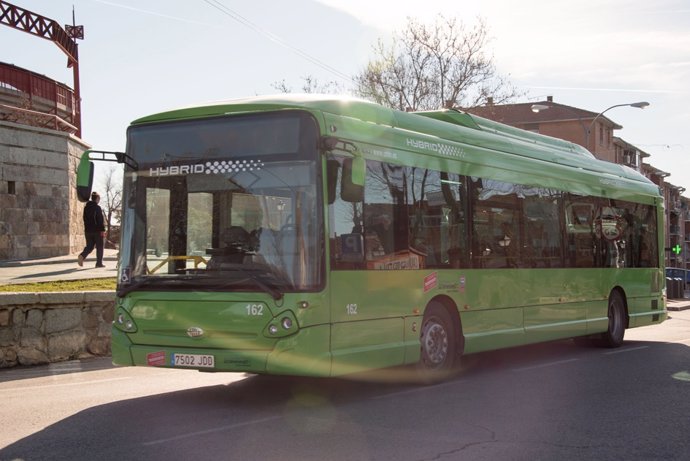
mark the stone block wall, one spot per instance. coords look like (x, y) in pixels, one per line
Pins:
(39, 328)
(40, 215)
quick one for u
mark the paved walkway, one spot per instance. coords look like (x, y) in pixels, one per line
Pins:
(679, 304)
(57, 268)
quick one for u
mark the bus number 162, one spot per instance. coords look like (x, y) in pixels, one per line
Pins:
(255, 310)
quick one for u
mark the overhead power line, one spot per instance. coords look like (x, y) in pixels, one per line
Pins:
(273, 37)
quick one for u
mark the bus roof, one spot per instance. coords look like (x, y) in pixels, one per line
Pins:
(447, 124)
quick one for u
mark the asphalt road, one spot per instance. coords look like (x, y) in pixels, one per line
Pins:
(555, 401)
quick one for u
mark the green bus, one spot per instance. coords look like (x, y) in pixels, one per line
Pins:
(322, 236)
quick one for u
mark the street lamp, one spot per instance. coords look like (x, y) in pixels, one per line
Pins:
(639, 105)
(536, 108)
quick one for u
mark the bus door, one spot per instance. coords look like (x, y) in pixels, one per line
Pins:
(366, 325)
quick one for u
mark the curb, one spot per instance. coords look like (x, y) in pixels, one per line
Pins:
(17, 299)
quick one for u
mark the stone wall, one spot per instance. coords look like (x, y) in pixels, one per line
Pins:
(40, 215)
(39, 328)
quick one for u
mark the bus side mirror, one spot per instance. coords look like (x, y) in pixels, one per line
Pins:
(84, 177)
(359, 170)
(350, 191)
(332, 167)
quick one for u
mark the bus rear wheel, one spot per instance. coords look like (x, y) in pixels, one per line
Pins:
(617, 321)
(439, 344)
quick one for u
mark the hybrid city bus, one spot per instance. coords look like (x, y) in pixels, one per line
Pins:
(321, 236)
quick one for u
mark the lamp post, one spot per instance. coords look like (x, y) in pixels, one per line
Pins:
(639, 105)
(536, 108)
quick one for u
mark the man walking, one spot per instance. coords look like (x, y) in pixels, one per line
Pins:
(94, 230)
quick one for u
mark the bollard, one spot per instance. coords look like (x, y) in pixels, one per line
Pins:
(680, 288)
(670, 288)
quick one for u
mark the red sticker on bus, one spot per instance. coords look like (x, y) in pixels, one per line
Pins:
(430, 281)
(155, 359)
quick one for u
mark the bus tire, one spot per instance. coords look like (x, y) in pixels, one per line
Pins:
(439, 344)
(617, 321)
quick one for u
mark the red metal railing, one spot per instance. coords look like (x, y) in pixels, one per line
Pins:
(25, 89)
(33, 118)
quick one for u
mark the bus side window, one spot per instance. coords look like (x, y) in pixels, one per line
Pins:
(380, 234)
(332, 168)
(346, 232)
(436, 205)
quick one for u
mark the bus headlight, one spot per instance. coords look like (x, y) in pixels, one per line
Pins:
(124, 322)
(285, 325)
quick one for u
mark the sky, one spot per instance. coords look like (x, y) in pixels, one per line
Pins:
(144, 56)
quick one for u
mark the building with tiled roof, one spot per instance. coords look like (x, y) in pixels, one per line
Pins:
(595, 132)
(558, 120)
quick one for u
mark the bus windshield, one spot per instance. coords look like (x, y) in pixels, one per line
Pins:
(225, 204)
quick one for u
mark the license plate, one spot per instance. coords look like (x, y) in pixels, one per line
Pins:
(193, 360)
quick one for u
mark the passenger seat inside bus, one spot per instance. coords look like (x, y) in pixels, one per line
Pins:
(234, 247)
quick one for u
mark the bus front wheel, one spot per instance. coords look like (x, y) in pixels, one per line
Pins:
(617, 321)
(439, 344)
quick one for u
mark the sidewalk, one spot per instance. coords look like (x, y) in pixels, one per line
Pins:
(678, 304)
(57, 268)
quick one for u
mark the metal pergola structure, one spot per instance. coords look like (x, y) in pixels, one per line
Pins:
(40, 26)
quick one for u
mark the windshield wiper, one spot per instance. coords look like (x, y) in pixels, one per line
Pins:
(256, 273)
(267, 287)
(272, 290)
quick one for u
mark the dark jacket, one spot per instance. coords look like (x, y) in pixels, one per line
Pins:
(93, 218)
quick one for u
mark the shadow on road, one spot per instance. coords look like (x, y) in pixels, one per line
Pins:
(48, 274)
(264, 417)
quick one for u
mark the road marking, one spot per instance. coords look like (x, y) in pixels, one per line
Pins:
(631, 349)
(544, 365)
(210, 431)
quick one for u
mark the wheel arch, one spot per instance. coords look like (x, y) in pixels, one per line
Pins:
(451, 307)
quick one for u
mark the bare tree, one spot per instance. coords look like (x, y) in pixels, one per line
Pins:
(427, 67)
(310, 85)
(112, 205)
